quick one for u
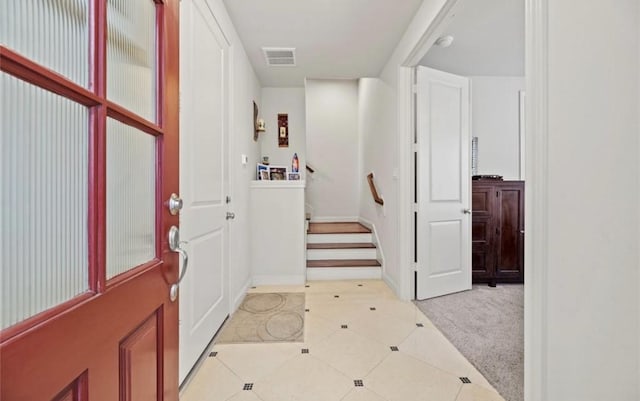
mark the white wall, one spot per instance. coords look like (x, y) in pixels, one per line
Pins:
(591, 319)
(332, 148)
(245, 88)
(495, 109)
(289, 101)
(380, 94)
(377, 155)
(279, 256)
(587, 304)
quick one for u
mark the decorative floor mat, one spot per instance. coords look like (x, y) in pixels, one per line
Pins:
(270, 317)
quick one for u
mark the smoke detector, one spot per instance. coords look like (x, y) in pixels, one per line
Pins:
(444, 41)
(280, 56)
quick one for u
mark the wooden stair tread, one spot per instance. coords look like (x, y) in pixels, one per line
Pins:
(343, 263)
(337, 228)
(342, 245)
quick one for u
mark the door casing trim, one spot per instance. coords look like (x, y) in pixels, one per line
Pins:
(536, 180)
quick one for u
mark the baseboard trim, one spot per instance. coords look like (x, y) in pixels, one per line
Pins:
(376, 240)
(284, 279)
(391, 283)
(237, 300)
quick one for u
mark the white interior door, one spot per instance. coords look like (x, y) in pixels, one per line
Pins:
(444, 184)
(203, 179)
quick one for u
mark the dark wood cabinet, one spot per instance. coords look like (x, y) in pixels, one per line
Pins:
(497, 231)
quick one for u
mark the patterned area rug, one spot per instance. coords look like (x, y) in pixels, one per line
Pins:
(270, 317)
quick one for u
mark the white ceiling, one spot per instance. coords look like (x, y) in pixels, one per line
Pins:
(341, 39)
(488, 40)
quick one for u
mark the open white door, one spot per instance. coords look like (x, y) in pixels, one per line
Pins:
(203, 179)
(443, 184)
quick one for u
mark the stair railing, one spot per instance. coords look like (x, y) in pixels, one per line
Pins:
(374, 191)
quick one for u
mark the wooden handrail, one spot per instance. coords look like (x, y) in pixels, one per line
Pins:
(310, 169)
(374, 191)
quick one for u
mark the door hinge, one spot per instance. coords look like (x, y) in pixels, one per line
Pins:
(228, 199)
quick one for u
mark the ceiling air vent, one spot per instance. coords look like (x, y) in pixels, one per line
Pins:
(280, 56)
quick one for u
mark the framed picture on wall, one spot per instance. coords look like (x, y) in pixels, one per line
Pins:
(283, 130)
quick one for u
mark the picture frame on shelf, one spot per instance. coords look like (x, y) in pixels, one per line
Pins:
(277, 173)
(264, 175)
(259, 168)
(293, 176)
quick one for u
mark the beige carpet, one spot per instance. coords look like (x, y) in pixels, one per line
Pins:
(270, 317)
(487, 326)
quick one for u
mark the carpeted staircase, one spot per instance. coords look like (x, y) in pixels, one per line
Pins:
(341, 251)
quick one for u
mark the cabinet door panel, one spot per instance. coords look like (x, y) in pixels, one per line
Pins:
(481, 254)
(509, 241)
(482, 200)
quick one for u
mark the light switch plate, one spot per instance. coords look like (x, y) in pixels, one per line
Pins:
(244, 159)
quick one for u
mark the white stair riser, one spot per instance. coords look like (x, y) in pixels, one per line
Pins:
(360, 253)
(344, 273)
(338, 238)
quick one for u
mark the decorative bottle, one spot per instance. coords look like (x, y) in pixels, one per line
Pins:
(295, 163)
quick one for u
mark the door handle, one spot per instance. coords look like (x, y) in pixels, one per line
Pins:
(174, 245)
(230, 216)
(466, 211)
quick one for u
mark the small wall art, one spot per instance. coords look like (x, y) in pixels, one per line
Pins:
(255, 122)
(283, 130)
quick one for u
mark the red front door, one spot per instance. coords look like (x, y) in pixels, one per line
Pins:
(89, 160)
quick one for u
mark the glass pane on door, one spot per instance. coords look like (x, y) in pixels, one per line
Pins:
(44, 192)
(131, 197)
(54, 34)
(131, 55)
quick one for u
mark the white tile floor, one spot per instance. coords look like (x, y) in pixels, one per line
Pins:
(425, 366)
